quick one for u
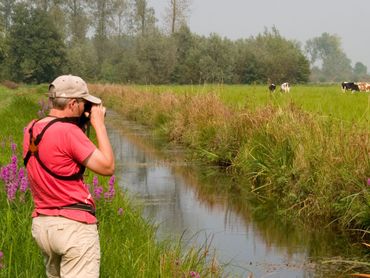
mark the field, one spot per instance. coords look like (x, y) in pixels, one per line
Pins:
(305, 153)
(128, 244)
(325, 100)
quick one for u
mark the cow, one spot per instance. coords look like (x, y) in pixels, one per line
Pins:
(285, 87)
(363, 86)
(350, 86)
(272, 88)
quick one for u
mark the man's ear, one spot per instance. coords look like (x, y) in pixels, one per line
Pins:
(71, 103)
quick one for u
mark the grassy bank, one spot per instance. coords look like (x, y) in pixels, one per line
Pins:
(307, 153)
(128, 244)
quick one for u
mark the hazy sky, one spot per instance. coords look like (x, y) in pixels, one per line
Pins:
(299, 20)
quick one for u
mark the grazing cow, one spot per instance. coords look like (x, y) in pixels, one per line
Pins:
(363, 86)
(285, 87)
(272, 88)
(367, 87)
(350, 86)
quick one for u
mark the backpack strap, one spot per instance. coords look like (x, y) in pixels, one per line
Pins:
(33, 149)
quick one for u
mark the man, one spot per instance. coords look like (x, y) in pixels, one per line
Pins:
(56, 152)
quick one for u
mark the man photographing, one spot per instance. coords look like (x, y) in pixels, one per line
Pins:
(56, 151)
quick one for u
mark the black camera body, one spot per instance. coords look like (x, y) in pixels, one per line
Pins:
(84, 120)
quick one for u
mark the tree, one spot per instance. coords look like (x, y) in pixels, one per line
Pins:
(36, 49)
(247, 68)
(82, 60)
(101, 11)
(78, 21)
(157, 54)
(279, 60)
(6, 10)
(142, 17)
(217, 60)
(326, 51)
(121, 10)
(176, 14)
(184, 42)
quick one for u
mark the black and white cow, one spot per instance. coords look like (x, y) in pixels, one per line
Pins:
(285, 87)
(272, 88)
(350, 86)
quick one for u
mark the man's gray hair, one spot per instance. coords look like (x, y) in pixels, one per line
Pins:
(56, 102)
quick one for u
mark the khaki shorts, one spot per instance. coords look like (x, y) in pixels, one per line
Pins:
(70, 248)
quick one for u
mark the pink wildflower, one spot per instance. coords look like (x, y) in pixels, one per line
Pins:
(111, 180)
(13, 147)
(98, 190)
(120, 211)
(95, 181)
(194, 274)
(111, 192)
(12, 188)
(23, 180)
(368, 181)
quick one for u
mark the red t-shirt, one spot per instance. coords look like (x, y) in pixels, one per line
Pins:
(62, 148)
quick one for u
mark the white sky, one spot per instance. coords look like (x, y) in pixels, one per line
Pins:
(298, 20)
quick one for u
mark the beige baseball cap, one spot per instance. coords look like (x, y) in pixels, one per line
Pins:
(70, 86)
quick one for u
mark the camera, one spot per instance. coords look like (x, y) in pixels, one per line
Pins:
(84, 119)
(88, 106)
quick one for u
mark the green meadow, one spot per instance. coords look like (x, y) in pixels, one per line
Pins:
(323, 100)
(305, 154)
(128, 244)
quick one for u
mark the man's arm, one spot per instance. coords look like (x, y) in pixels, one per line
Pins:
(101, 161)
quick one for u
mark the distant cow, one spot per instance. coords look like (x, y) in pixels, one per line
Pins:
(363, 86)
(285, 87)
(272, 88)
(350, 86)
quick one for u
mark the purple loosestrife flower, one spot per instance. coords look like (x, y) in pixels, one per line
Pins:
(43, 108)
(22, 179)
(194, 274)
(13, 167)
(111, 191)
(13, 146)
(120, 211)
(95, 181)
(40, 113)
(98, 190)
(12, 188)
(5, 176)
(111, 180)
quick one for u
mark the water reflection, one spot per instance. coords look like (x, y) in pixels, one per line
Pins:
(186, 199)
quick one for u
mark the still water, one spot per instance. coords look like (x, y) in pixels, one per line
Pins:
(183, 199)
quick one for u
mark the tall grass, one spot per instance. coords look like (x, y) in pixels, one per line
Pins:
(128, 244)
(312, 163)
(325, 101)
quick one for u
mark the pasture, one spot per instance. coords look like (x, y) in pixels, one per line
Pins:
(306, 152)
(324, 101)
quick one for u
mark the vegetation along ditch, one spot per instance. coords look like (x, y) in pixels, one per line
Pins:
(128, 244)
(305, 156)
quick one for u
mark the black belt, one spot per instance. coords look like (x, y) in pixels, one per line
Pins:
(81, 206)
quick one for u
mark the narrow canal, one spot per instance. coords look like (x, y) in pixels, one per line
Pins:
(183, 199)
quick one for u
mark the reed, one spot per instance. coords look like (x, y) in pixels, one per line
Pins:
(128, 244)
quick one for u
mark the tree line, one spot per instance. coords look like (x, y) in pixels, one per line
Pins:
(121, 41)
